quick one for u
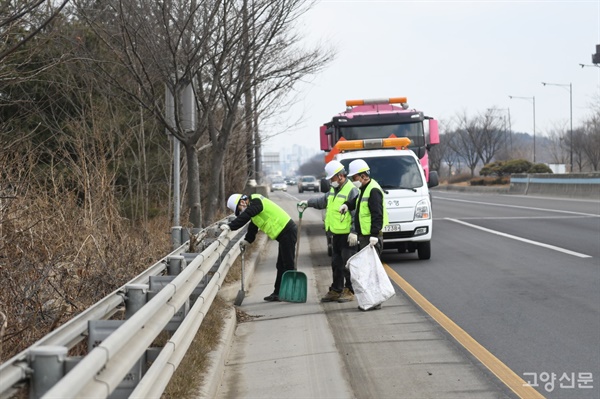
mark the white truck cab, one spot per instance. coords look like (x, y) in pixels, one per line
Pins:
(406, 196)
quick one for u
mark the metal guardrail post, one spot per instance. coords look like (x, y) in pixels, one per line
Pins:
(185, 235)
(176, 236)
(135, 298)
(174, 264)
(47, 363)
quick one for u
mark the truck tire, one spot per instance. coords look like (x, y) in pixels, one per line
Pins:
(424, 250)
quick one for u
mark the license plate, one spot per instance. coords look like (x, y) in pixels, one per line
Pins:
(390, 228)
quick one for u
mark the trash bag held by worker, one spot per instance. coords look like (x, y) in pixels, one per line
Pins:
(371, 284)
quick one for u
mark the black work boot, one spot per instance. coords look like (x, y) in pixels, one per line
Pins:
(272, 298)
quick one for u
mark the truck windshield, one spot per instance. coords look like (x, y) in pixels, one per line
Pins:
(393, 172)
(413, 131)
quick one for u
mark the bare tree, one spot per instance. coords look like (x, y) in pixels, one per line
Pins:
(558, 143)
(466, 141)
(579, 142)
(206, 45)
(591, 137)
(20, 21)
(491, 137)
(450, 156)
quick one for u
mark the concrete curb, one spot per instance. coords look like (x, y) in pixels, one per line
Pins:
(218, 357)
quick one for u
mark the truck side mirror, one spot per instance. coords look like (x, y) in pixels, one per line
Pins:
(434, 133)
(325, 136)
(433, 179)
(325, 185)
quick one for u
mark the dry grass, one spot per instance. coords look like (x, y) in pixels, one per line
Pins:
(57, 259)
(189, 376)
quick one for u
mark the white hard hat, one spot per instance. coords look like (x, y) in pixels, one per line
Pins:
(233, 200)
(358, 166)
(333, 168)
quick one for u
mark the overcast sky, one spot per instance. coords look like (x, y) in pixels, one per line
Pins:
(450, 57)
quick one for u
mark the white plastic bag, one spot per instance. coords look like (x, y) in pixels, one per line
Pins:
(371, 284)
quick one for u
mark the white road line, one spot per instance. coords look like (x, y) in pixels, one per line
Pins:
(566, 251)
(516, 206)
(517, 217)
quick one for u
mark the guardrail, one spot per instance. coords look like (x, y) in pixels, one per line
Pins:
(578, 185)
(174, 294)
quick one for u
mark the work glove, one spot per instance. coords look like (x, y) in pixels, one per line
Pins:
(343, 209)
(225, 227)
(244, 244)
(352, 239)
(303, 204)
(373, 241)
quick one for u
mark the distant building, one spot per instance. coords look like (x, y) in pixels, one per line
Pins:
(295, 156)
(271, 164)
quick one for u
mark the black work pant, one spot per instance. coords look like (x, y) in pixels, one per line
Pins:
(340, 253)
(287, 252)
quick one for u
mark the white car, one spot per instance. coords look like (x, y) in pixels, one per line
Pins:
(278, 185)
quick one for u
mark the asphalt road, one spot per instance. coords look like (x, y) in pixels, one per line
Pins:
(521, 275)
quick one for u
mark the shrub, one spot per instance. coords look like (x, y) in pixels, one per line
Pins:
(539, 168)
(493, 169)
(516, 166)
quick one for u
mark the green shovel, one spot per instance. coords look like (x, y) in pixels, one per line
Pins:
(294, 283)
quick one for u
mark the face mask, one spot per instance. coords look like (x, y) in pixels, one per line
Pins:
(357, 183)
(335, 184)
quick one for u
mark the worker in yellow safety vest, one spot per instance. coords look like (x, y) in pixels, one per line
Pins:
(339, 226)
(264, 214)
(371, 214)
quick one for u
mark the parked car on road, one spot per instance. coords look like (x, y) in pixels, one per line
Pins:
(308, 183)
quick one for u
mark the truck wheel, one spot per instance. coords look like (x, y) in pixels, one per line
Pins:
(424, 250)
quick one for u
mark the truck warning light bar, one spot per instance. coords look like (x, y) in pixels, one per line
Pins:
(373, 101)
(368, 144)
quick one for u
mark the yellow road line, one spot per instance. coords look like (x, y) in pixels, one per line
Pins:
(499, 369)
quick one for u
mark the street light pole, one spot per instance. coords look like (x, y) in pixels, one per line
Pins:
(533, 100)
(571, 116)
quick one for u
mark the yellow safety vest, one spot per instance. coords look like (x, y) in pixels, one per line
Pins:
(334, 220)
(272, 220)
(364, 214)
